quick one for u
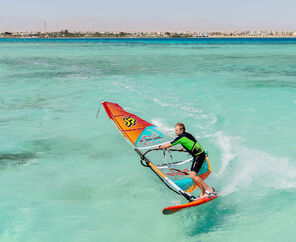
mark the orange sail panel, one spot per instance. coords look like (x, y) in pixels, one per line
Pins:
(129, 124)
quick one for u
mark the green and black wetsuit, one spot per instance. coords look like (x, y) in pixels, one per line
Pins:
(193, 147)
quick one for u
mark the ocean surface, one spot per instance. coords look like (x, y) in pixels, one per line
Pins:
(67, 176)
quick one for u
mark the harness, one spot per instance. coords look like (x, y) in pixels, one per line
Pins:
(195, 151)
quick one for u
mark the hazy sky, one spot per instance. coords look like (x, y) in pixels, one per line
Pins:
(161, 14)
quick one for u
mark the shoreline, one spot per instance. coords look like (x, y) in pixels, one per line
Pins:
(66, 34)
(210, 37)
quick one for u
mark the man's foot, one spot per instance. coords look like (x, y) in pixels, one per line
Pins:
(203, 195)
(211, 193)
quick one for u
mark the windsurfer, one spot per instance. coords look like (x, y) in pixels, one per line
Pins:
(190, 144)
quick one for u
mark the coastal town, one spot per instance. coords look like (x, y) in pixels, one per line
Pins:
(167, 34)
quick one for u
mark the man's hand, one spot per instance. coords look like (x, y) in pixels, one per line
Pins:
(165, 146)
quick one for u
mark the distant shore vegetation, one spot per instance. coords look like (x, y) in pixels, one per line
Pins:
(168, 34)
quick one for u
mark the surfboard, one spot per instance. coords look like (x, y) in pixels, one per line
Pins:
(196, 202)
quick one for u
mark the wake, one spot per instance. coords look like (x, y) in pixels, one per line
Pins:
(241, 168)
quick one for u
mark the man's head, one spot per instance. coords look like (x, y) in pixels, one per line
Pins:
(179, 128)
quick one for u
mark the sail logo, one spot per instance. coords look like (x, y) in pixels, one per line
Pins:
(150, 136)
(130, 121)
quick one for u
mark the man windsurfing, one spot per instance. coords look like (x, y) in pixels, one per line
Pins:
(190, 144)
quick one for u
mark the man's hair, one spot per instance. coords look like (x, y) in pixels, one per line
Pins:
(182, 126)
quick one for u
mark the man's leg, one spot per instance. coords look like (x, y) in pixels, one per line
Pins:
(195, 167)
(199, 182)
(195, 179)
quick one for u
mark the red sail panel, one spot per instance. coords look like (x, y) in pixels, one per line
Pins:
(129, 124)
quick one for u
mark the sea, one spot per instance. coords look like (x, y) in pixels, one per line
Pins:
(67, 175)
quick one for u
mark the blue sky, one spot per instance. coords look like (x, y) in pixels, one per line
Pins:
(219, 14)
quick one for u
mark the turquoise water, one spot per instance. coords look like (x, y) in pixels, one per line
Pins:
(67, 176)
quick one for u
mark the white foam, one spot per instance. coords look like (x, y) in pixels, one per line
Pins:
(205, 122)
(163, 104)
(224, 142)
(188, 109)
(191, 109)
(247, 168)
(164, 127)
(35, 62)
(128, 87)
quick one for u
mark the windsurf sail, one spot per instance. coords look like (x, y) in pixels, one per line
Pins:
(144, 137)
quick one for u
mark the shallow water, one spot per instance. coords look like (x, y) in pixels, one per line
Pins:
(67, 176)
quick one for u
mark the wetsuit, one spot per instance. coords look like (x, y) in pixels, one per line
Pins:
(193, 147)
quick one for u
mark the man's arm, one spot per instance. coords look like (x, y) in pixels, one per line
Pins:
(165, 146)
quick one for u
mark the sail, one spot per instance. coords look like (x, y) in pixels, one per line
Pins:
(172, 167)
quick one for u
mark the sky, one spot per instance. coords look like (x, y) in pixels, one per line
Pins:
(152, 15)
